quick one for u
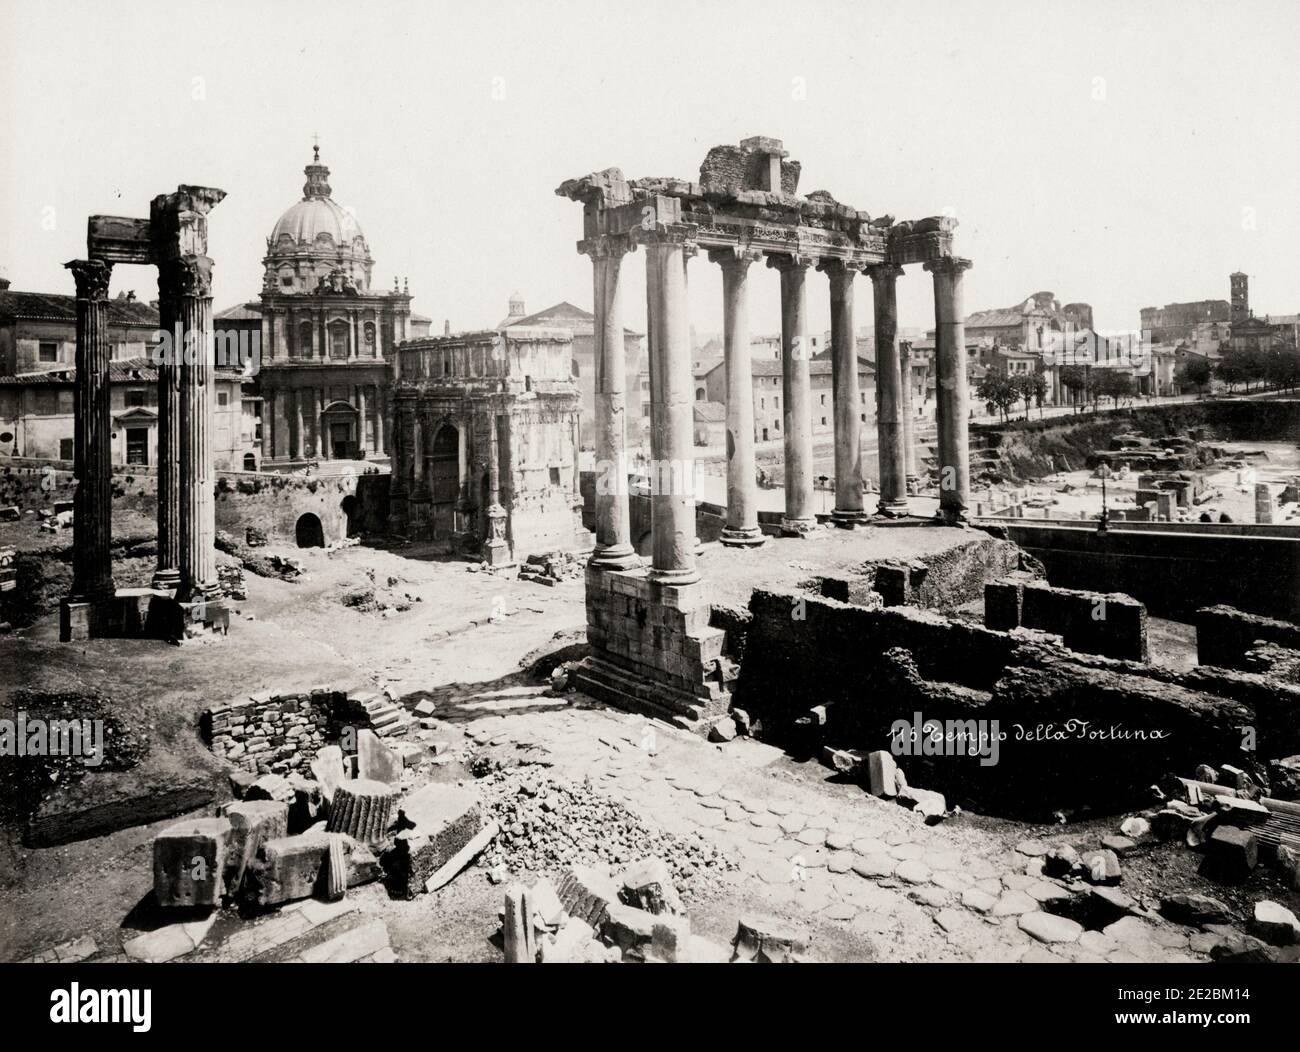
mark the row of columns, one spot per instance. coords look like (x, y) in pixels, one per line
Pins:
(671, 410)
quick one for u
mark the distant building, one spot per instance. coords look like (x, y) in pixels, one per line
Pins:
(1177, 321)
(580, 325)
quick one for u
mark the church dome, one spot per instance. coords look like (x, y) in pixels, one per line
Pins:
(315, 240)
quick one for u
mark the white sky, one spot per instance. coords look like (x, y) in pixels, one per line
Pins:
(1122, 154)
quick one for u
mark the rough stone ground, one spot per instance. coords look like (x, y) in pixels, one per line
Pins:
(866, 877)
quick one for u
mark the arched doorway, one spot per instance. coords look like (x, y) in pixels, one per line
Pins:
(339, 427)
(351, 509)
(308, 532)
(442, 471)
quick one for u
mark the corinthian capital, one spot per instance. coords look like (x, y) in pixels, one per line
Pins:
(607, 246)
(951, 265)
(92, 277)
(883, 272)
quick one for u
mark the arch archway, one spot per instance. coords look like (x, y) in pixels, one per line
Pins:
(250, 461)
(442, 472)
(309, 532)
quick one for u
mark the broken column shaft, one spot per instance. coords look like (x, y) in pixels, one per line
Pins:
(92, 524)
(909, 412)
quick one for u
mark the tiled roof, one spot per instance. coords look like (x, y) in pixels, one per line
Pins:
(710, 412)
(1003, 318)
(240, 312)
(558, 315)
(123, 371)
(49, 306)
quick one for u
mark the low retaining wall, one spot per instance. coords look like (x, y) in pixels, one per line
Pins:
(269, 732)
(1108, 623)
(1224, 636)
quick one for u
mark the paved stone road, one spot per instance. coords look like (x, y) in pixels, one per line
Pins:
(823, 854)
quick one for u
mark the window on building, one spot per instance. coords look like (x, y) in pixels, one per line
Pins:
(223, 398)
(645, 410)
(776, 425)
(823, 421)
(555, 476)
(48, 352)
(137, 445)
(65, 449)
(823, 403)
(776, 402)
(762, 403)
(864, 418)
(135, 398)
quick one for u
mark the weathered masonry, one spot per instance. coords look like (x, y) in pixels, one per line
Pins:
(485, 451)
(185, 597)
(653, 623)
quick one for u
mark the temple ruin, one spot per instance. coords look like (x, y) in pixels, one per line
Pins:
(185, 597)
(652, 623)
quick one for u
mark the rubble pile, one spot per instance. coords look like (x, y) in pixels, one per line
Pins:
(596, 915)
(880, 773)
(550, 568)
(274, 566)
(231, 578)
(548, 825)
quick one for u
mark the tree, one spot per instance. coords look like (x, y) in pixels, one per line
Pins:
(1074, 378)
(1282, 368)
(1114, 384)
(1195, 372)
(1030, 387)
(997, 392)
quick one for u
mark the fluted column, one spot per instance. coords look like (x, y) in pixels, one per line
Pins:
(796, 395)
(496, 551)
(952, 399)
(379, 421)
(909, 413)
(741, 528)
(363, 410)
(167, 573)
(92, 524)
(614, 549)
(299, 396)
(889, 383)
(672, 454)
(197, 519)
(844, 381)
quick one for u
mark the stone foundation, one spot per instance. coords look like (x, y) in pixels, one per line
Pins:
(654, 650)
(1111, 624)
(1225, 635)
(269, 732)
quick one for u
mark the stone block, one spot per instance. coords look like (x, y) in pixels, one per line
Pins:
(1233, 853)
(288, 868)
(648, 885)
(327, 768)
(1002, 605)
(882, 771)
(189, 861)
(1101, 867)
(586, 893)
(1243, 814)
(270, 787)
(435, 823)
(362, 809)
(252, 823)
(1276, 924)
(375, 761)
(767, 940)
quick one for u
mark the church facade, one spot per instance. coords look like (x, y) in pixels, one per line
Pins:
(327, 335)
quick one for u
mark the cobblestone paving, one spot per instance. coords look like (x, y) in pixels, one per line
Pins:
(918, 892)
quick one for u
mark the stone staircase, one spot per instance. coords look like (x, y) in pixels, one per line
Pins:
(374, 710)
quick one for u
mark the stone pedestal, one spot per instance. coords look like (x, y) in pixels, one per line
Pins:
(741, 529)
(613, 540)
(952, 400)
(848, 511)
(889, 384)
(92, 524)
(796, 391)
(672, 409)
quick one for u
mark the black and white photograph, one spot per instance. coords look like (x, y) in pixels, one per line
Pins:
(696, 483)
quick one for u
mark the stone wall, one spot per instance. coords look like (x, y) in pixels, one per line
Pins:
(345, 504)
(1106, 623)
(1082, 731)
(1173, 573)
(1224, 636)
(269, 732)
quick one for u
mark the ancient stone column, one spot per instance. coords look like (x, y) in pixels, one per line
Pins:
(167, 574)
(299, 396)
(951, 398)
(796, 394)
(614, 549)
(380, 407)
(92, 524)
(741, 529)
(496, 550)
(672, 454)
(909, 413)
(844, 382)
(197, 501)
(363, 410)
(889, 388)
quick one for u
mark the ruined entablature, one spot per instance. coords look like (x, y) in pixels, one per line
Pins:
(746, 197)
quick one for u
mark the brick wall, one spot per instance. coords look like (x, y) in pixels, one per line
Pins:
(269, 732)
(1107, 623)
